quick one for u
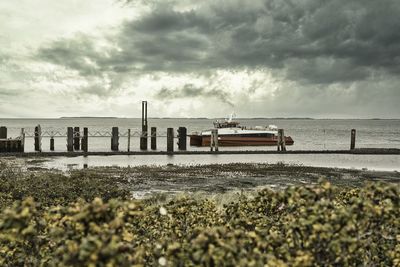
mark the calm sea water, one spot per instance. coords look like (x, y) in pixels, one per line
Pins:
(307, 134)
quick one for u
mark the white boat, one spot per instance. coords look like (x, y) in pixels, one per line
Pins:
(230, 133)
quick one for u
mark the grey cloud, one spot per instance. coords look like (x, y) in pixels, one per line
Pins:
(77, 54)
(313, 41)
(7, 92)
(191, 91)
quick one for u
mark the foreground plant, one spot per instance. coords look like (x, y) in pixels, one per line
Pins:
(300, 226)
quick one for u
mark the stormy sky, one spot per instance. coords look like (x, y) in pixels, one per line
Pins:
(259, 58)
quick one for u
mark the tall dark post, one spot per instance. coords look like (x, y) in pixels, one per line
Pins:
(214, 140)
(153, 138)
(281, 140)
(70, 139)
(22, 140)
(143, 138)
(129, 140)
(182, 131)
(115, 139)
(3, 132)
(85, 140)
(353, 139)
(77, 138)
(170, 140)
(38, 137)
(52, 143)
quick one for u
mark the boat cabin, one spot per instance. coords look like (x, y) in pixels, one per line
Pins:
(226, 124)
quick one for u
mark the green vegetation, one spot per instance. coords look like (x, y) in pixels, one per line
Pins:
(319, 225)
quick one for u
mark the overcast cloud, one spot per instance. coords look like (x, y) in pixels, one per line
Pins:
(261, 58)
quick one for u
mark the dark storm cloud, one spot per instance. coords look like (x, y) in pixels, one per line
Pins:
(191, 91)
(316, 41)
(77, 54)
(7, 92)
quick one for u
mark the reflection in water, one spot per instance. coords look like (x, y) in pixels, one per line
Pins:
(370, 162)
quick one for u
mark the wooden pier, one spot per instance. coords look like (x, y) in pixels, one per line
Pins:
(77, 142)
(359, 151)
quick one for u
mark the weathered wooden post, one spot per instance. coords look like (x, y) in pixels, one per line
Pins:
(77, 138)
(214, 140)
(144, 135)
(153, 138)
(170, 140)
(3, 135)
(70, 139)
(3, 132)
(129, 140)
(182, 133)
(115, 139)
(353, 139)
(38, 138)
(52, 142)
(85, 140)
(22, 140)
(283, 143)
(279, 141)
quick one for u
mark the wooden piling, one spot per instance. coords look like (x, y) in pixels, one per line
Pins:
(353, 139)
(70, 139)
(129, 140)
(115, 139)
(77, 138)
(170, 140)
(3, 132)
(85, 140)
(38, 138)
(22, 136)
(281, 140)
(182, 140)
(52, 142)
(153, 138)
(214, 140)
(144, 135)
(281, 133)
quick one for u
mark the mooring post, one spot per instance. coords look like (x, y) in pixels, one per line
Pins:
(129, 140)
(77, 138)
(52, 142)
(283, 143)
(3, 132)
(353, 139)
(85, 140)
(153, 138)
(38, 138)
(144, 135)
(170, 140)
(115, 139)
(182, 136)
(70, 139)
(279, 141)
(214, 140)
(22, 140)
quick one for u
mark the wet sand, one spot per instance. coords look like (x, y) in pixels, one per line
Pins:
(144, 181)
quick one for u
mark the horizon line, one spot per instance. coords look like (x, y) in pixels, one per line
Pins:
(186, 118)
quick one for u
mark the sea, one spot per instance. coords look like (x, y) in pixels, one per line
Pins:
(308, 134)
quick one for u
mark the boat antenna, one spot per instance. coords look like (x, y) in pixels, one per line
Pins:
(232, 116)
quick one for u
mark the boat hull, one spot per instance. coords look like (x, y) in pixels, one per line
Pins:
(200, 140)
